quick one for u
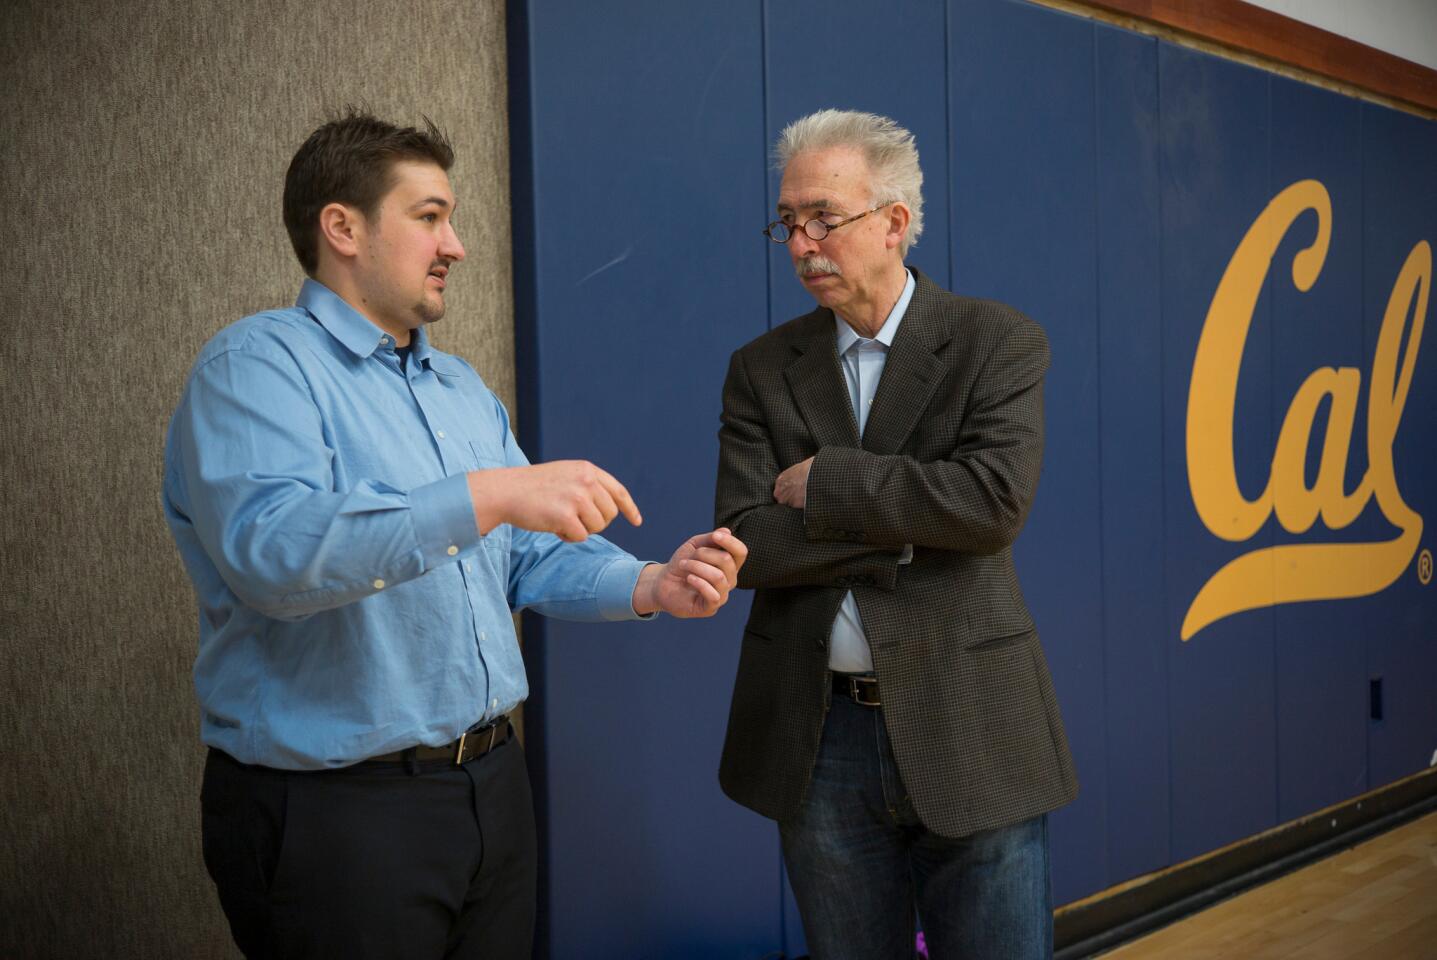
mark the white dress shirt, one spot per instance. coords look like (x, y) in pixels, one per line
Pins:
(862, 361)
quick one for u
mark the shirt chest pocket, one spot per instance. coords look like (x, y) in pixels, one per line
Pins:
(487, 456)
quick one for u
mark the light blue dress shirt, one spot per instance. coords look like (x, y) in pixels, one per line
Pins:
(862, 361)
(348, 606)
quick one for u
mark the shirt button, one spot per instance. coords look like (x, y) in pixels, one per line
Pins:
(494, 704)
(441, 434)
(384, 341)
(452, 550)
(379, 584)
(483, 635)
(468, 566)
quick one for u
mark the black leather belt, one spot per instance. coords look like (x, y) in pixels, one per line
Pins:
(470, 746)
(860, 689)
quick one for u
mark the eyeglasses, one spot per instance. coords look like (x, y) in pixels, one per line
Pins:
(816, 229)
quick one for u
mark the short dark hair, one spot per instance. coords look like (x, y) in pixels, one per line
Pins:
(350, 160)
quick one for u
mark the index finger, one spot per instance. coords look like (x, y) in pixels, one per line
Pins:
(625, 503)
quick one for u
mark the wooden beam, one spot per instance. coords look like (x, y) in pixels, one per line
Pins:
(1272, 36)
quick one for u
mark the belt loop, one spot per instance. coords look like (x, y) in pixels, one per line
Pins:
(411, 761)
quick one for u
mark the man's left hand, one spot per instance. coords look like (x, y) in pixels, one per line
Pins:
(697, 579)
(791, 487)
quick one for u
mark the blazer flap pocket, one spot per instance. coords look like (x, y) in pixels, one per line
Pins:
(760, 636)
(992, 628)
(1002, 641)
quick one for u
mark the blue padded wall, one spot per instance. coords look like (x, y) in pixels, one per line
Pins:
(1399, 211)
(645, 178)
(1098, 179)
(1025, 217)
(1320, 691)
(1213, 123)
(1130, 383)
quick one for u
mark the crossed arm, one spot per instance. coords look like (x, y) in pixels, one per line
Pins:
(846, 512)
(782, 555)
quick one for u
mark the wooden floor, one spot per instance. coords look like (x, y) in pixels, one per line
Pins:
(1377, 901)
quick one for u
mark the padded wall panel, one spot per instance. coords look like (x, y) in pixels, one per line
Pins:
(1399, 213)
(1215, 141)
(1024, 208)
(1320, 660)
(648, 198)
(1130, 372)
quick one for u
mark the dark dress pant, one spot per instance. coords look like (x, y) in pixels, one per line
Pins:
(378, 861)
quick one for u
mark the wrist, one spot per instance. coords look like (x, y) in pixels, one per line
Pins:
(486, 489)
(645, 599)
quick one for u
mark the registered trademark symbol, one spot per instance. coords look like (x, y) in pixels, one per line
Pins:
(1424, 567)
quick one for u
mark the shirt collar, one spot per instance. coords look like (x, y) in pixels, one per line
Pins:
(346, 324)
(420, 348)
(847, 337)
(359, 334)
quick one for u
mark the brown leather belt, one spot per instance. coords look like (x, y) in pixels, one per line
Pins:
(860, 689)
(470, 746)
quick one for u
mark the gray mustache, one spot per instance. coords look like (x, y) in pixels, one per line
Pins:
(808, 266)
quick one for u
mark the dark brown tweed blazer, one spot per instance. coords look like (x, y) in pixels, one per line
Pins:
(949, 462)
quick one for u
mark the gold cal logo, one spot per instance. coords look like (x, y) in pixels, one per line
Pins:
(1307, 571)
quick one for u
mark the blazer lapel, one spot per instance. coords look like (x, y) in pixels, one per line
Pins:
(818, 387)
(910, 374)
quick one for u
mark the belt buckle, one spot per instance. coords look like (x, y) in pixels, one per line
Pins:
(493, 729)
(857, 684)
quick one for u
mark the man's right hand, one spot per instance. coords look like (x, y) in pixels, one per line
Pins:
(569, 498)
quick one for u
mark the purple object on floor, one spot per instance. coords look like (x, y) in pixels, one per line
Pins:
(920, 948)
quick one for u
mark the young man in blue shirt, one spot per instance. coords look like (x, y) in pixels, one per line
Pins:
(359, 524)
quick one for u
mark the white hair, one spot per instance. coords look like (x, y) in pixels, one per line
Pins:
(889, 149)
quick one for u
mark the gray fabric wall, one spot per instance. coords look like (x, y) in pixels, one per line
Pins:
(143, 145)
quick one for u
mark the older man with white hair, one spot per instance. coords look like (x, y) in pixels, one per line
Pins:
(892, 710)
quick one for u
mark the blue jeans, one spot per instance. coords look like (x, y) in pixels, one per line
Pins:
(861, 863)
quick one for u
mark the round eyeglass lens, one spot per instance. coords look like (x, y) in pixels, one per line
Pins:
(816, 229)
